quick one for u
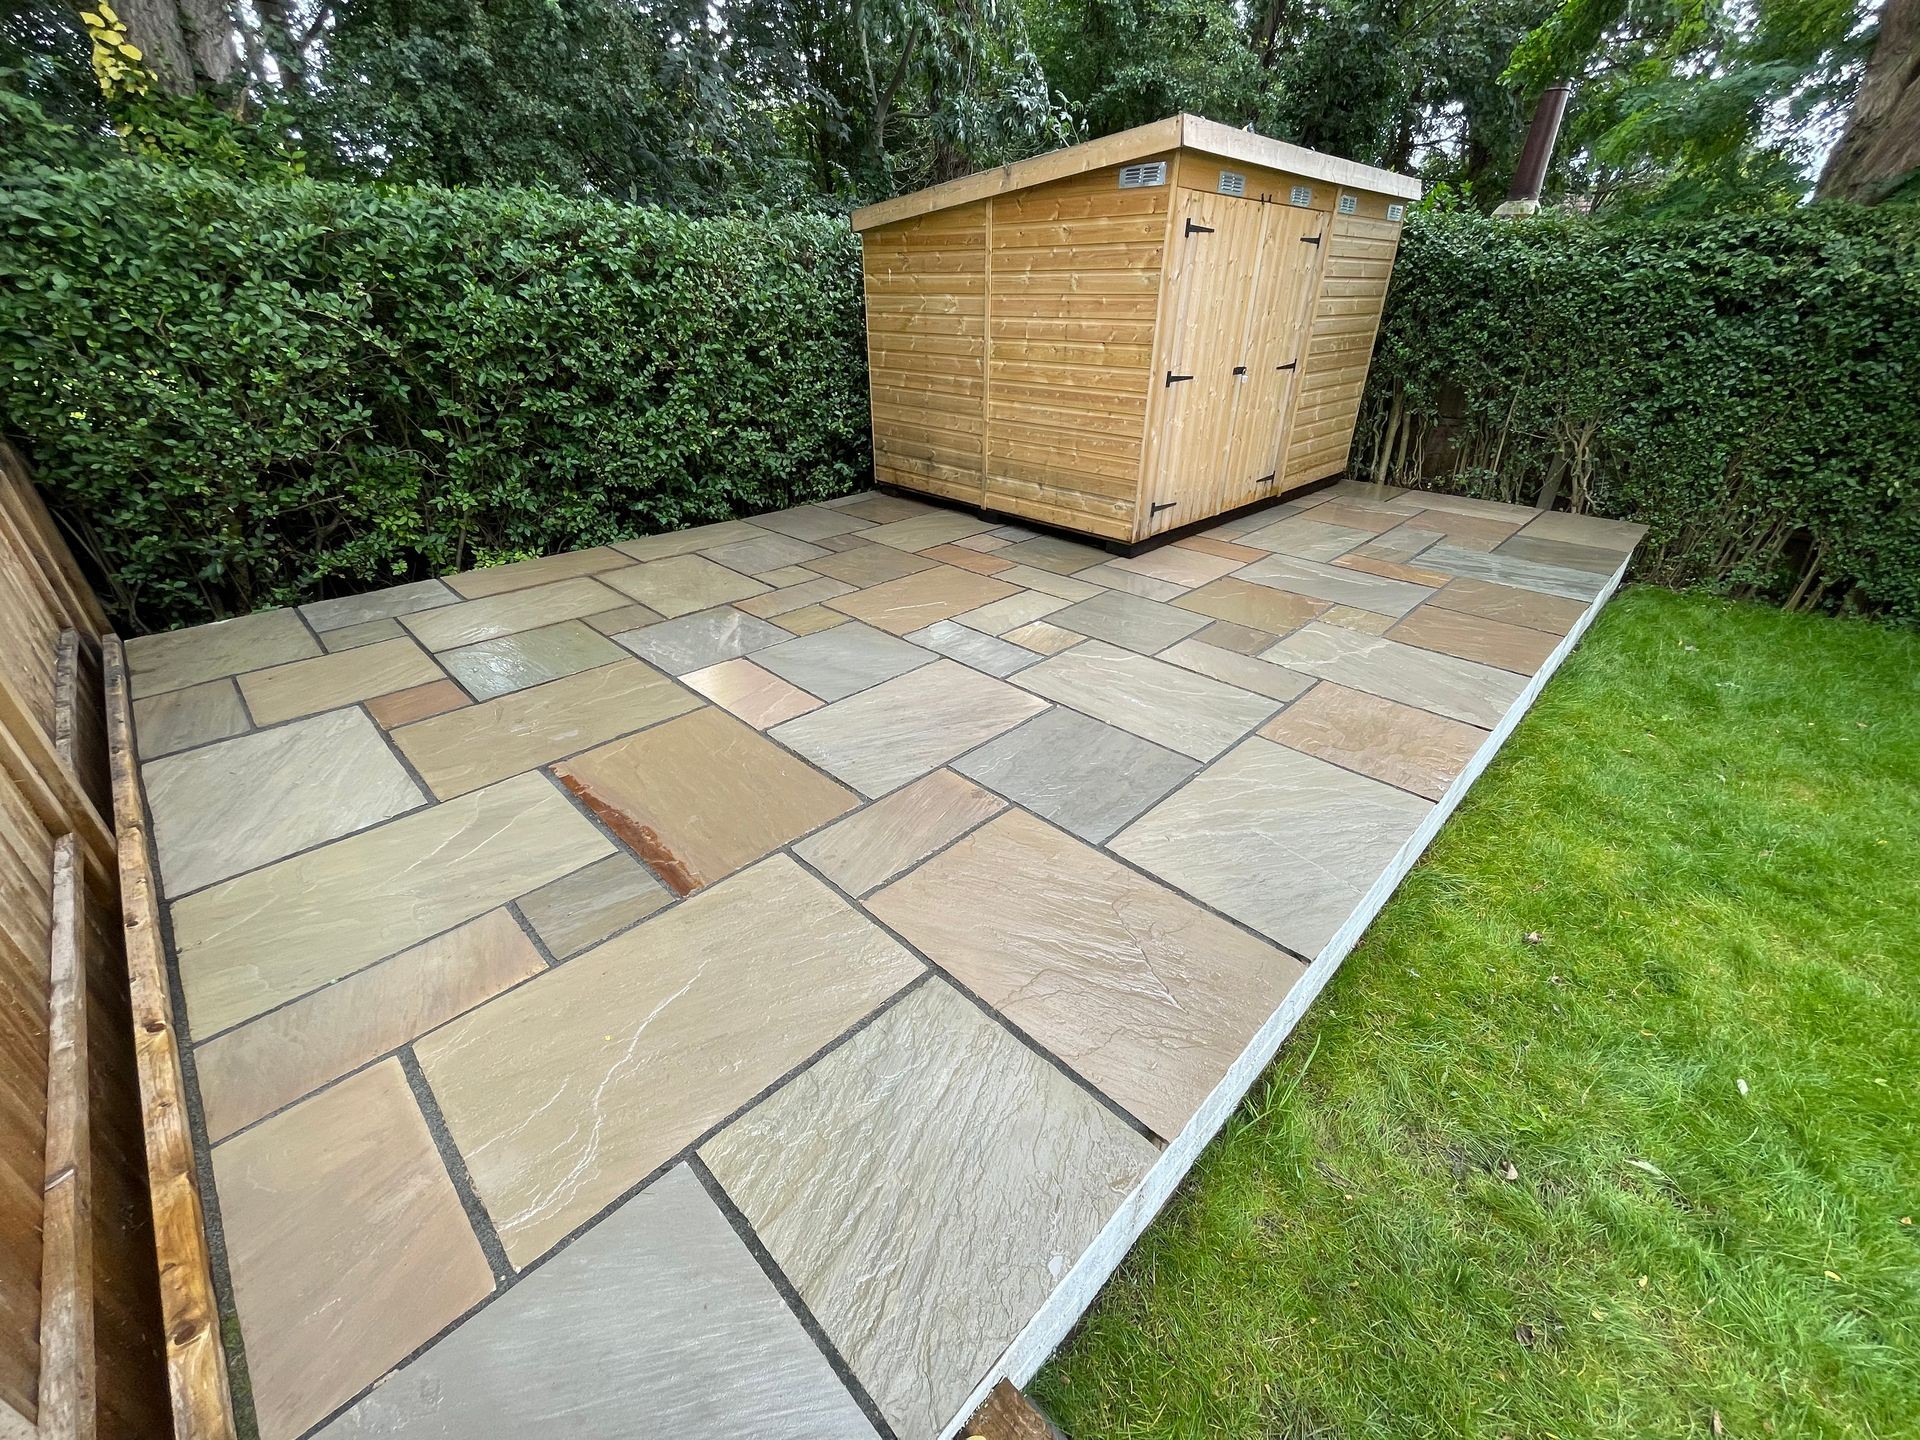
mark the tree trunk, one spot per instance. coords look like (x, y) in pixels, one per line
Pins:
(188, 44)
(1266, 38)
(1880, 151)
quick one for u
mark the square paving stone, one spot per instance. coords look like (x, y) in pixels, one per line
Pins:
(1259, 607)
(699, 797)
(811, 522)
(269, 936)
(1470, 637)
(368, 632)
(873, 845)
(1461, 689)
(1333, 585)
(835, 663)
(1144, 994)
(871, 564)
(307, 687)
(568, 1091)
(472, 621)
(1400, 744)
(468, 748)
(157, 663)
(915, 601)
(763, 553)
(681, 584)
(513, 662)
(1128, 620)
(397, 600)
(693, 642)
(580, 910)
(1083, 775)
(881, 738)
(1166, 704)
(403, 707)
(293, 1051)
(970, 647)
(1510, 605)
(229, 807)
(713, 1353)
(925, 1187)
(347, 1244)
(180, 719)
(685, 542)
(1279, 840)
(524, 574)
(757, 696)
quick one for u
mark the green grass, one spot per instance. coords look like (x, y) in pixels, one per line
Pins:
(1665, 964)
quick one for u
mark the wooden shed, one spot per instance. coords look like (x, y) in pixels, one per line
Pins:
(1132, 335)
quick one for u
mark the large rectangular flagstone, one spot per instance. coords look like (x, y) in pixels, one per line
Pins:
(1516, 570)
(529, 657)
(274, 1060)
(914, 602)
(1400, 744)
(472, 621)
(1242, 602)
(1461, 689)
(1591, 530)
(346, 611)
(1554, 614)
(273, 934)
(682, 584)
(881, 738)
(467, 748)
(246, 801)
(564, 1093)
(1163, 703)
(1333, 584)
(1492, 642)
(684, 542)
(156, 663)
(1146, 995)
(524, 574)
(658, 1321)
(307, 687)
(703, 795)
(1279, 840)
(925, 1186)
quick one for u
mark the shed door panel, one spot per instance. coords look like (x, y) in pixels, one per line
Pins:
(1271, 347)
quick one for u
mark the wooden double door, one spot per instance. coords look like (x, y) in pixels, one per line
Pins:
(1242, 277)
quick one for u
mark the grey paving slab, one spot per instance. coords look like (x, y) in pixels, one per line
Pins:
(657, 1321)
(833, 664)
(177, 719)
(1066, 587)
(1334, 584)
(367, 632)
(471, 621)
(1011, 612)
(582, 909)
(1306, 537)
(856, 1177)
(970, 647)
(1620, 535)
(513, 662)
(1132, 582)
(1129, 620)
(179, 658)
(1166, 704)
(1566, 553)
(764, 553)
(253, 799)
(1279, 840)
(397, 600)
(685, 542)
(1234, 668)
(811, 523)
(681, 584)
(1052, 552)
(704, 638)
(881, 738)
(1082, 774)
(1459, 689)
(1514, 570)
(878, 841)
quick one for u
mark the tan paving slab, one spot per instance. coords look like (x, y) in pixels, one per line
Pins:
(983, 543)
(923, 532)
(1333, 585)
(915, 601)
(1461, 689)
(243, 802)
(178, 719)
(757, 696)
(682, 584)
(1259, 607)
(347, 1245)
(530, 657)
(1022, 608)
(685, 542)
(701, 796)
(1392, 570)
(870, 564)
(157, 663)
(810, 591)
(811, 619)
(924, 1187)
(1364, 621)
(1111, 577)
(1562, 580)
(1164, 703)
(623, 617)
(786, 575)
(880, 509)
(711, 1350)
(1428, 501)
(881, 738)
(1185, 566)
(1359, 515)
(274, 1060)
(1055, 554)
(1400, 744)
(974, 560)
(1508, 603)
(1128, 620)
(1620, 535)
(307, 687)
(1234, 668)
(1043, 638)
(468, 748)
(567, 1091)
(472, 621)
(346, 611)
(812, 523)
(1473, 637)
(1403, 543)
(1307, 537)
(1599, 560)
(523, 574)
(403, 707)
(1147, 996)
(261, 939)
(1066, 587)
(1226, 549)
(1241, 639)
(765, 553)
(871, 846)
(580, 910)
(368, 632)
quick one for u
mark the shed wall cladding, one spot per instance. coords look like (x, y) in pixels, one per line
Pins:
(1047, 342)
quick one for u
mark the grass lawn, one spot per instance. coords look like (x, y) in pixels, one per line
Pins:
(1611, 1125)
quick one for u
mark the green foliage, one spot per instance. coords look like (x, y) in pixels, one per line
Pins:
(1745, 386)
(244, 395)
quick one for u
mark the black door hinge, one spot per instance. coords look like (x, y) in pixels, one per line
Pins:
(1291, 364)
(1163, 505)
(1239, 369)
(1309, 239)
(1171, 377)
(1268, 479)
(1193, 229)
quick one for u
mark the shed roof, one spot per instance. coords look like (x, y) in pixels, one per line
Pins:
(1176, 132)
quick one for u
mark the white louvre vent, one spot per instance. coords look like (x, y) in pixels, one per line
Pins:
(1349, 204)
(1396, 212)
(1138, 177)
(1302, 195)
(1232, 183)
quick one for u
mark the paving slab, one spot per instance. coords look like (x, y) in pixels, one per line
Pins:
(833, 664)
(1166, 704)
(524, 574)
(403, 707)
(1110, 576)
(1470, 637)
(1260, 607)
(868, 848)
(1510, 604)
(1233, 668)
(368, 632)
(685, 542)
(1461, 689)
(1085, 776)
(757, 696)
(1400, 744)
(1333, 585)
(983, 652)
(764, 553)
(1561, 580)
(513, 662)
(580, 910)
(306, 687)
(1185, 566)
(915, 601)
(1307, 537)
(180, 719)
(472, 621)
(999, 616)
(693, 642)
(1129, 621)
(397, 600)
(681, 584)
(811, 523)
(158, 663)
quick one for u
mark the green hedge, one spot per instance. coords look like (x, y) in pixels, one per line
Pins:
(1750, 388)
(245, 395)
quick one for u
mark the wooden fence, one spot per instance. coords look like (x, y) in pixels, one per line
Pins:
(82, 1345)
